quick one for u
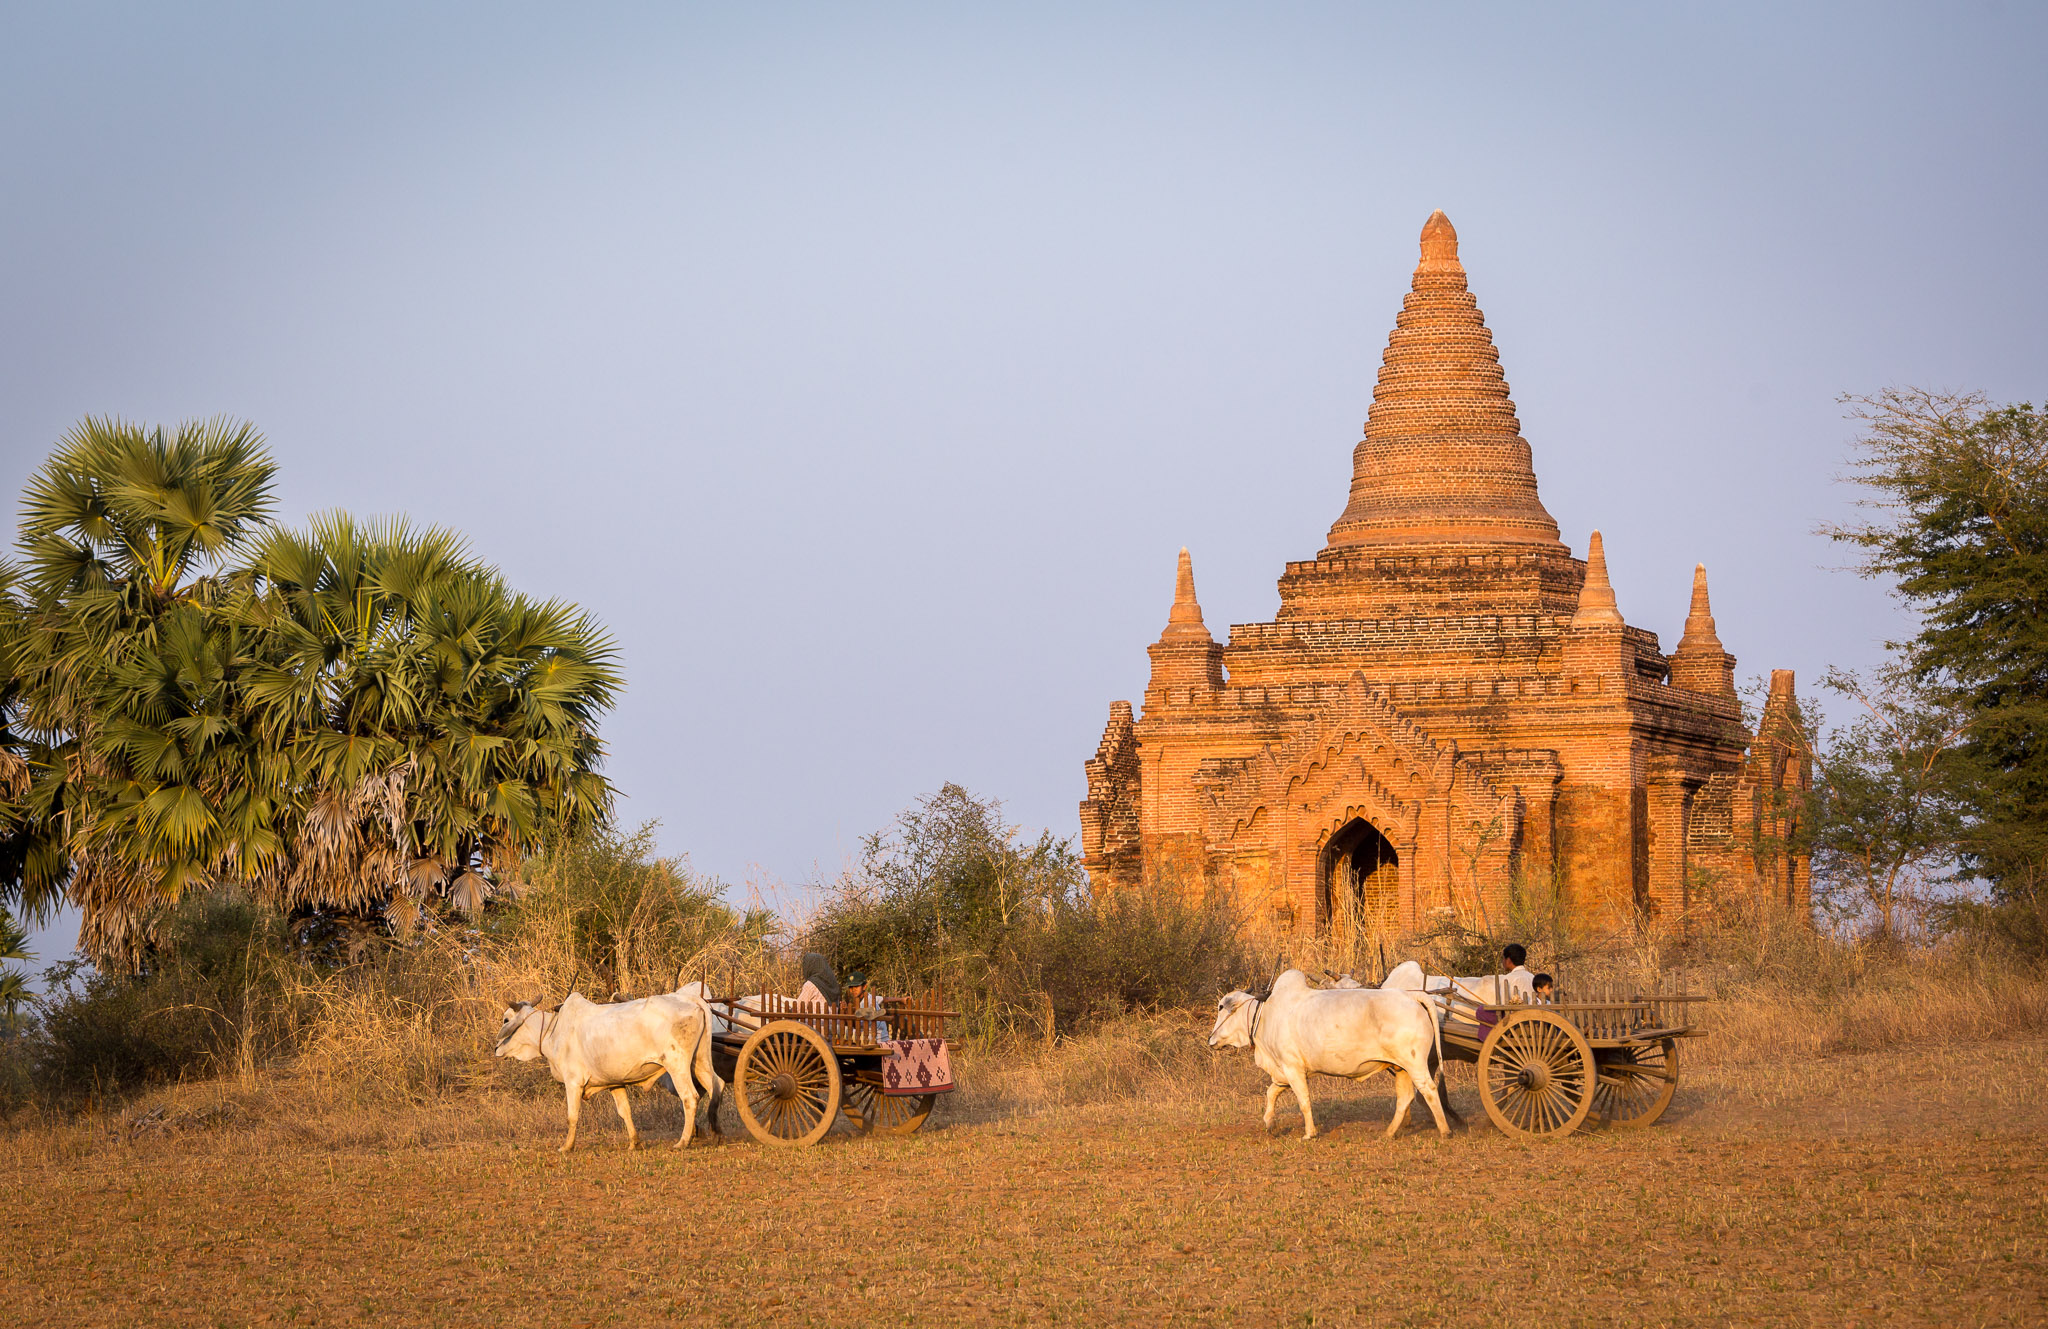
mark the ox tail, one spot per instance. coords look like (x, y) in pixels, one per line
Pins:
(703, 1067)
(1436, 1029)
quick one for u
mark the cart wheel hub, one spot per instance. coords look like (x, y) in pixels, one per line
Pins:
(783, 1087)
(1532, 1077)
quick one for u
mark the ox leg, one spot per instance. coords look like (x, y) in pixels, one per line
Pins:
(625, 1107)
(574, 1091)
(1443, 1097)
(686, 1089)
(1404, 1094)
(1299, 1084)
(1273, 1092)
(1432, 1094)
(708, 1081)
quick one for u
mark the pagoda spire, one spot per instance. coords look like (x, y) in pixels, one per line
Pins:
(1699, 664)
(1443, 460)
(1595, 643)
(1185, 656)
(1597, 607)
(1699, 620)
(1184, 622)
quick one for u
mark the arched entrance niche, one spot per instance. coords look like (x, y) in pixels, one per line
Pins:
(1361, 883)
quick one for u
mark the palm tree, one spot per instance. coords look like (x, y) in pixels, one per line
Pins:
(126, 670)
(355, 716)
(14, 991)
(442, 725)
(31, 852)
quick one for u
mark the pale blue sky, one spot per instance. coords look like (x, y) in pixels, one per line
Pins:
(864, 367)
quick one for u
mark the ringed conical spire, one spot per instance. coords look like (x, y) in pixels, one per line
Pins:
(1699, 663)
(1443, 460)
(1185, 654)
(1699, 620)
(1597, 607)
(1184, 621)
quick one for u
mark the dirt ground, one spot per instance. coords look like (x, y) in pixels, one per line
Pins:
(1893, 1188)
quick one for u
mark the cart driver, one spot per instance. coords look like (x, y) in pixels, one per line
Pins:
(866, 1003)
(1519, 980)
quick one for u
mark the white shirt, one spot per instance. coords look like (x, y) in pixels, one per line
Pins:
(1518, 984)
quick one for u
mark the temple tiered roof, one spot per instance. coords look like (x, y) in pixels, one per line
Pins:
(1443, 460)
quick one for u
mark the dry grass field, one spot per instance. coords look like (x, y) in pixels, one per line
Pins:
(1124, 1179)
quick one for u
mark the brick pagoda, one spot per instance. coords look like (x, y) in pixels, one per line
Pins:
(1449, 705)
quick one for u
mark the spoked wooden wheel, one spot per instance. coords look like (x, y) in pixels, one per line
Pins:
(1636, 1083)
(1536, 1075)
(787, 1084)
(884, 1114)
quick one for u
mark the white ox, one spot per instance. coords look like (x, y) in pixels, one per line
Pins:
(1297, 1030)
(592, 1048)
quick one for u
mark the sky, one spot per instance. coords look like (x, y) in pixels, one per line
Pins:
(864, 367)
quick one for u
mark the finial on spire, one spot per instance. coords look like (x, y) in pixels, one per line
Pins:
(1185, 622)
(1439, 245)
(1698, 663)
(1699, 620)
(1596, 597)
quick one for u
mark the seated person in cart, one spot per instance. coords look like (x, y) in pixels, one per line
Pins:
(1519, 980)
(820, 983)
(1517, 985)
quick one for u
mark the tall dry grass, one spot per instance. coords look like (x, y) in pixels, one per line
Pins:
(397, 1045)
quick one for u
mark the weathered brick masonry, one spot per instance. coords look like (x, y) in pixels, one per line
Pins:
(1448, 702)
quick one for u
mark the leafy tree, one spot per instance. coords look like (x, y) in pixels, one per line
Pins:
(1887, 822)
(1960, 489)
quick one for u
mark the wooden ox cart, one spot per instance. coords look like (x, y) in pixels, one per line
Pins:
(795, 1067)
(1593, 1057)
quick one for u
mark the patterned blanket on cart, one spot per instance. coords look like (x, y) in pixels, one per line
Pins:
(917, 1066)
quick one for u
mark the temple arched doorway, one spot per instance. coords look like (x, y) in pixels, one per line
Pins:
(1361, 894)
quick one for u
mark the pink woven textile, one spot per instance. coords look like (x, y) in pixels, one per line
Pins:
(917, 1066)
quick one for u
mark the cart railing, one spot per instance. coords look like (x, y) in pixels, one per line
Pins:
(1602, 1009)
(867, 1023)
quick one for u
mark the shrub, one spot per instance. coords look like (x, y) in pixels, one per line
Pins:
(953, 897)
(2016, 920)
(1100, 956)
(207, 999)
(606, 914)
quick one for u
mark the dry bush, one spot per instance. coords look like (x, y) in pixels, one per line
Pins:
(1010, 930)
(1161, 1056)
(1789, 990)
(1108, 1001)
(606, 914)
